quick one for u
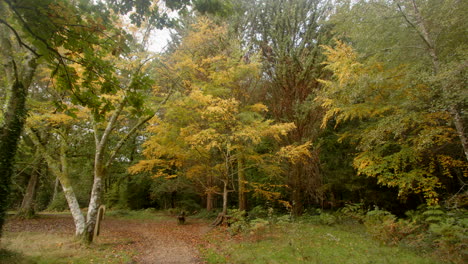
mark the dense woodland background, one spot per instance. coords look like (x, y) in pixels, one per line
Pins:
(290, 105)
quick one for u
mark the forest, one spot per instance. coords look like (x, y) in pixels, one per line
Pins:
(253, 112)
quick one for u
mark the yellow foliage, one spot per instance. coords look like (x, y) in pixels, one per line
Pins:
(259, 108)
(296, 154)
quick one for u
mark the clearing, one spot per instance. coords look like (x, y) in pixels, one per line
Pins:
(147, 241)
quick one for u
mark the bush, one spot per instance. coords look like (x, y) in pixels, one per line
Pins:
(353, 211)
(448, 229)
(384, 226)
(258, 212)
(328, 219)
(59, 204)
(237, 222)
(205, 214)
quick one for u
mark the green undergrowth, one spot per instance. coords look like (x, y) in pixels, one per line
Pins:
(309, 243)
(146, 214)
(42, 248)
(151, 214)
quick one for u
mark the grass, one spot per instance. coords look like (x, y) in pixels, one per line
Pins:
(148, 214)
(310, 243)
(42, 248)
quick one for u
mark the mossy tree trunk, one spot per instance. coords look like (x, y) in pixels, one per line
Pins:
(12, 126)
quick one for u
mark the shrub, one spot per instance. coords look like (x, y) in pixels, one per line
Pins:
(449, 232)
(59, 204)
(384, 226)
(258, 212)
(205, 214)
(237, 222)
(328, 219)
(354, 211)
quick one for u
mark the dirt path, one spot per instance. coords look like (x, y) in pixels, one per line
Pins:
(152, 241)
(159, 242)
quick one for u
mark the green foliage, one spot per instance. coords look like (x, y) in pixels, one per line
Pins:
(59, 204)
(237, 221)
(259, 212)
(355, 211)
(395, 134)
(385, 227)
(205, 214)
(328, 218)
(310, 243)
(429, 229)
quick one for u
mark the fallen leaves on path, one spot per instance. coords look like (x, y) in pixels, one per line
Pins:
(151, 241)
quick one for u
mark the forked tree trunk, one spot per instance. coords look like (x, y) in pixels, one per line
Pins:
(99, 174)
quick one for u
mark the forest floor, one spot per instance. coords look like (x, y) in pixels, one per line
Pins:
(146, 241)
(144, 237)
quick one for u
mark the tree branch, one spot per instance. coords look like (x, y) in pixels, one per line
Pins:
(20, 42)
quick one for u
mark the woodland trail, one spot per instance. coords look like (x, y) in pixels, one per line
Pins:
(156, 241)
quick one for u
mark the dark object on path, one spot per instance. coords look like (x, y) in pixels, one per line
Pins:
(181, 218)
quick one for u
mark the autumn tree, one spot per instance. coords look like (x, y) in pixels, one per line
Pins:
(208, 134)
(426, 35)
(400, 141)
(417, 48)
(287, 35)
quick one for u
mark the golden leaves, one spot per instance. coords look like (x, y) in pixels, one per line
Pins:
(296, 153)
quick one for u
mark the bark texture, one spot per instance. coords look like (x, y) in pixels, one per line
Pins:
(11, 129)
(27, 205)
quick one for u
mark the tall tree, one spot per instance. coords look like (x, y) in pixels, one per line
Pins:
(208, 134)
(288, 34)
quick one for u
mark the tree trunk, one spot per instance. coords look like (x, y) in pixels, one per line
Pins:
(56, 189)
(225, 197)
(27, 205)
(11, 128)
(459, 125)
(94, 203)
(61, 172)
(100, 167)
(241, 179)
(209, 201)
(297, 190)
